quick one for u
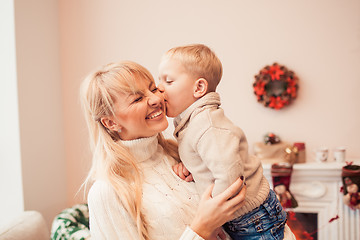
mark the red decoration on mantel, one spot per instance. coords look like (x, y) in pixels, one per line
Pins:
(299, 230)
(275, 86)
(351, 185)
(334, 218)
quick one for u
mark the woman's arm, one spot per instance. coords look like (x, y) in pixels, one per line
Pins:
(214, 212)
(108, 219)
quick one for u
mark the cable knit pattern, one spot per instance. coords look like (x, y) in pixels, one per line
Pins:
(169, 203)
(213, 149)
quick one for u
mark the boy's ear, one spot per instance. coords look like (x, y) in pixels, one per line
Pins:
(200, 87)
(109, 123)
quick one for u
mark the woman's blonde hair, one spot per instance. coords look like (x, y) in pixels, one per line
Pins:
(200, 61)
(111, 159)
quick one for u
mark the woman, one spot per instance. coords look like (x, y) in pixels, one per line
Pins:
(134, 193)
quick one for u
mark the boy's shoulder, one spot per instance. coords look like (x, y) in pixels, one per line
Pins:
(212, 118)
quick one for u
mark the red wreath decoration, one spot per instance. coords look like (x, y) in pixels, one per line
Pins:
(275, 86)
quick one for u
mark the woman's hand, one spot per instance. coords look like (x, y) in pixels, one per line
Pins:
(212, 213)
(182, 172)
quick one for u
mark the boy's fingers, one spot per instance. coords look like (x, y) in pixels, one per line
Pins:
(222, 235)
(189, 178)
(185, 171)
(175, 168)
(181, 171)
(178, 172)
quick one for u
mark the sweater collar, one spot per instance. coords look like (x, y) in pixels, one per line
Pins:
(142, 148)
(211, 99)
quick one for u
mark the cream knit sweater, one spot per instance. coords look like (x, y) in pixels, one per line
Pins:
(169, 203)
(213, 149)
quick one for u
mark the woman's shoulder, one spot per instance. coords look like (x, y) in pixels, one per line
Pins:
(101, 191)
(102, 198)
(100, 185)
(108, 217)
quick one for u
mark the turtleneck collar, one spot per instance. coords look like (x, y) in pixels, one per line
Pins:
(211, 99)
(142, 148)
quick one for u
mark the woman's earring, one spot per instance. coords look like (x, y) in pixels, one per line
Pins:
(119, 130)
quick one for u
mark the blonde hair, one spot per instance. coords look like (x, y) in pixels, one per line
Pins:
(200, 61)
(111, 159)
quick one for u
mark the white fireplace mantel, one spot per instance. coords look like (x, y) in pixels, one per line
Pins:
(330, 169)
(316, 187)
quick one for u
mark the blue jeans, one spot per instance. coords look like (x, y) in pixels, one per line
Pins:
(265, 222)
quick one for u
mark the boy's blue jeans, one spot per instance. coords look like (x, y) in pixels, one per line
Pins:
(265, 222)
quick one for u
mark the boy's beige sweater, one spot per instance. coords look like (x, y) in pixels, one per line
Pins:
(213, 149)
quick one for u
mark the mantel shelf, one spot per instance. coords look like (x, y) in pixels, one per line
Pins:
(315, 165)
(328, 169)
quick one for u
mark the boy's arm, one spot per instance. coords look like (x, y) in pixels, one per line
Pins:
(224, 154)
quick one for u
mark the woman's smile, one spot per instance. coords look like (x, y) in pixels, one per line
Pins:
(158, 113)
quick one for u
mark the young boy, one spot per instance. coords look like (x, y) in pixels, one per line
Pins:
(211, 147)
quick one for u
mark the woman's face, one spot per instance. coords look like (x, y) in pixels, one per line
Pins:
(140, 114)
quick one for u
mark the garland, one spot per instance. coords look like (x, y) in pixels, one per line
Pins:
(275, 86)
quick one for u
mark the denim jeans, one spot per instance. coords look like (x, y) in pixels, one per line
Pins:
(265, 222)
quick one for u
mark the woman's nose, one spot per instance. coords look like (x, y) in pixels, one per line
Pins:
(161, 88)
(154, 100)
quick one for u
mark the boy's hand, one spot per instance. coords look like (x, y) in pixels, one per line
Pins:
(218, 234)
(182, 172)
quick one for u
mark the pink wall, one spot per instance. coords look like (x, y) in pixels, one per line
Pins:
(40, 127)
(319, 40)
(12, 197)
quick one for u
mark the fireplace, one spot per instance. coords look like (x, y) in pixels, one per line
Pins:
(303, 225)
(316, 187)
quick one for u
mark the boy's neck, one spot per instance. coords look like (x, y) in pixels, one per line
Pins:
(181, 115)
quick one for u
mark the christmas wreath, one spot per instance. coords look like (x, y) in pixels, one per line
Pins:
(275, 86)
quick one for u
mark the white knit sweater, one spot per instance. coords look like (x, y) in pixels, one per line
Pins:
(169, 203)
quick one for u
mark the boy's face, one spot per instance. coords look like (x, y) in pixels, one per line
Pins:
(178, 86)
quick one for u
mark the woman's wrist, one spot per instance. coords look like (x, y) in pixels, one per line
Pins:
(201, 230)
(189, 233)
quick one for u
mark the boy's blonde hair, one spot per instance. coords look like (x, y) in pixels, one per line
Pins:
(111, 160)
(200, 61)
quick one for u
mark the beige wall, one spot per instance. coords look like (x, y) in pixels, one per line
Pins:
(319, 40)
(40, 107)
(12, 200)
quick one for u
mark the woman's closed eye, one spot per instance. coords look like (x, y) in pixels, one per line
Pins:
(137, 99)
(140, 95)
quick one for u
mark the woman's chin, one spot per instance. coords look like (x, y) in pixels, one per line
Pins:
(161, 124)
